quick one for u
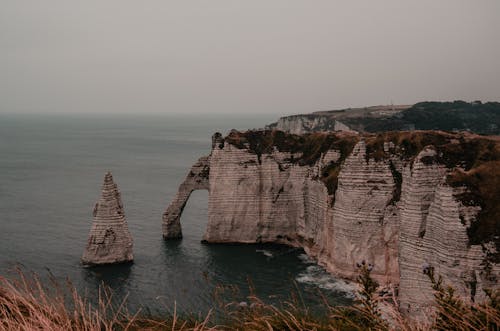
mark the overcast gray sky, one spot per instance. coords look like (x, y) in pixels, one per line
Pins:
(220, 56)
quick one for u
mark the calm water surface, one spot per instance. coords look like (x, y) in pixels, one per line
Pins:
(51, 170)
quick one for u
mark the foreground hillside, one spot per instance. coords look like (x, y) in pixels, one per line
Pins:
(27, 304)
(478, 117)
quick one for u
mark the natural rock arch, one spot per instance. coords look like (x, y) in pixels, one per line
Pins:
(196, 179)
(386, 199)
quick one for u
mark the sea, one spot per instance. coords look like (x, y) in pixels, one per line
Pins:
(51, 172)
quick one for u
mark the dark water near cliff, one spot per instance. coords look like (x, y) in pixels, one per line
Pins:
(51, 170)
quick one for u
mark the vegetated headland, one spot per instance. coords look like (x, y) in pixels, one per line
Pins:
(476, 116)
(412, 216)
(400, 200)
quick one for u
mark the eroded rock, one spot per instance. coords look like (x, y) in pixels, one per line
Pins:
(344, 198)
(109, 239)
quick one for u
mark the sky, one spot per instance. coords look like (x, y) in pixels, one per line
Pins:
(244, 57)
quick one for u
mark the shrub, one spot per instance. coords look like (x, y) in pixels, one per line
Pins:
(453, 313)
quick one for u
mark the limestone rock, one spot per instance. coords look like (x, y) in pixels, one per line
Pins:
(253, 199)
(381, 202)
(300, 124)
(363, 226)
(351, 119)
(271, 198)
(109, 239)
(433, 235)
(197, 179)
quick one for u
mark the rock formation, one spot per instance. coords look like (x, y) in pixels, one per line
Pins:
(434, 233)
(397, 200)
(109, 239)
(197, 179)
(300, 124)
(334, 120)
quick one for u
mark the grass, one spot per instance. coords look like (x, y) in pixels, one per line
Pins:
(310, 146)
(25, 304)
(452, 313)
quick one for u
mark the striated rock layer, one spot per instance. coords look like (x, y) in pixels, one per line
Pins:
(109, 239)
(197, 179)
(300, 124)
(399, 201)
(351, 119)
(434, 233)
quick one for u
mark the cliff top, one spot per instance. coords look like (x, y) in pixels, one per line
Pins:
(479, 117)
(457, 149)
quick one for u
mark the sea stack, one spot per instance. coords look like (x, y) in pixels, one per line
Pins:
(109, 239)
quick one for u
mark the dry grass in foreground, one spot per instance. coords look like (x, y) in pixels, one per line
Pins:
(25, 304)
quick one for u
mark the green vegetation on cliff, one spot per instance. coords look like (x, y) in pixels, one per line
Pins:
(474, 163)
(309, 146)
(482, 118)
(477, 117)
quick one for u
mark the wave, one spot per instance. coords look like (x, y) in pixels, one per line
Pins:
(265, 252)
(318, 276)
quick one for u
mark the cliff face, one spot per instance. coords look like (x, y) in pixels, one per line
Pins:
(386, 199)
(362, 224)
(434, 233)
(300, 124)
(109, 239)
(352, 119)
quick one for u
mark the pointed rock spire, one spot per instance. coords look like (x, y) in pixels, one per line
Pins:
(109, 239)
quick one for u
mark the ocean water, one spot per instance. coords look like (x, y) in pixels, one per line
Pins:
(51, 171)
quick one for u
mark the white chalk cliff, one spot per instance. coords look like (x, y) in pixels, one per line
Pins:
(109, 239)
(344, 205)
(300, 124)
